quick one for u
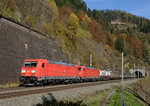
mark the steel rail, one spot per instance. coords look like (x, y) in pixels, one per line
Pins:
(46, 90)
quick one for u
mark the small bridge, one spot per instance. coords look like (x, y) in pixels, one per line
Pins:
(138, 73)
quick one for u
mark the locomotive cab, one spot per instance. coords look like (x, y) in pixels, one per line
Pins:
(81, 71)
(31, 69)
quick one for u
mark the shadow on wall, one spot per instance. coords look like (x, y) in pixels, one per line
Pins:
(52, 101)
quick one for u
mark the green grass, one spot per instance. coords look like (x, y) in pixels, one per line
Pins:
(94, 100)
(130, 100)
(10, 85)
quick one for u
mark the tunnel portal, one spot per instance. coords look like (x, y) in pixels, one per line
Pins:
(138, 74)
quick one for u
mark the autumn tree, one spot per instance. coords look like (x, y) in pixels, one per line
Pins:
(96, 31)
(73, 24)
(137, 45)
(80, 15)
(65, 11)
(51, 4)
(109, 40)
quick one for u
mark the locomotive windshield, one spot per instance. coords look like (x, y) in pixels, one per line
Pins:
(79, 68)
(30, 63)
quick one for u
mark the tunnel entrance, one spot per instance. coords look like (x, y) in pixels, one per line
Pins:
(138, 74)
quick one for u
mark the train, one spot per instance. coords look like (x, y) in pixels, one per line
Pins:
(43, 71)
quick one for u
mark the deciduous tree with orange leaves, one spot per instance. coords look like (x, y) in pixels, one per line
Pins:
(135, 44)
(109, 40)
(97, 32)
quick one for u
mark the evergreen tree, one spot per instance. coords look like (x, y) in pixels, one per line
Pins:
(119, 44)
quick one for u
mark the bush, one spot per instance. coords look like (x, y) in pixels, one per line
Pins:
(30, 20)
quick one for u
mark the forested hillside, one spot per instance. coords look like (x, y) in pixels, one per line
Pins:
(81, 31)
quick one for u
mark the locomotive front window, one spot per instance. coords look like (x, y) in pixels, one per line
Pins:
(33, 64)
(79, 68)
(30, 64)
(27, 64)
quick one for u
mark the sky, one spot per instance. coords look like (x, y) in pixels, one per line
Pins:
(136, 7)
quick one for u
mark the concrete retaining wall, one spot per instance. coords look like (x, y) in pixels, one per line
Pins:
(17, 43)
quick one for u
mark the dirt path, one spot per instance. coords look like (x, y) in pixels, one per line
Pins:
(107, 98)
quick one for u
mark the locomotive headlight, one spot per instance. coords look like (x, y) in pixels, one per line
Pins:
(23, 71)
(33, 71)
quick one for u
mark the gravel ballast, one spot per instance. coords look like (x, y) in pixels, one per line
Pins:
(69, 94)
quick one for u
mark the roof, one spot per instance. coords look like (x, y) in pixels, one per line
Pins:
(91, 67)
(60, 63)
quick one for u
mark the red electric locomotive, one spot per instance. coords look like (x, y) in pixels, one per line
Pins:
(92, 74)
(88, 73)
(40, 71)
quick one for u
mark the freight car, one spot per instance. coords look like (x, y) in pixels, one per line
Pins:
(116, 75)
(43, 71)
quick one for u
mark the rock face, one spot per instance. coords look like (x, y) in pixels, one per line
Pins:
(18, 42)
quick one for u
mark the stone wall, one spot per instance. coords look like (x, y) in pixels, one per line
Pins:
(18, 42)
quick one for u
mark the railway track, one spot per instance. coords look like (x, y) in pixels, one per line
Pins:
(11, 89)
(52, 89)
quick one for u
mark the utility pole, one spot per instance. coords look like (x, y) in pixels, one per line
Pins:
(26, 47)
(138, 71)
(90, 60)
(114, 67)
(134, 66)
(122, 70)
(134, 70)
(123, 103)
